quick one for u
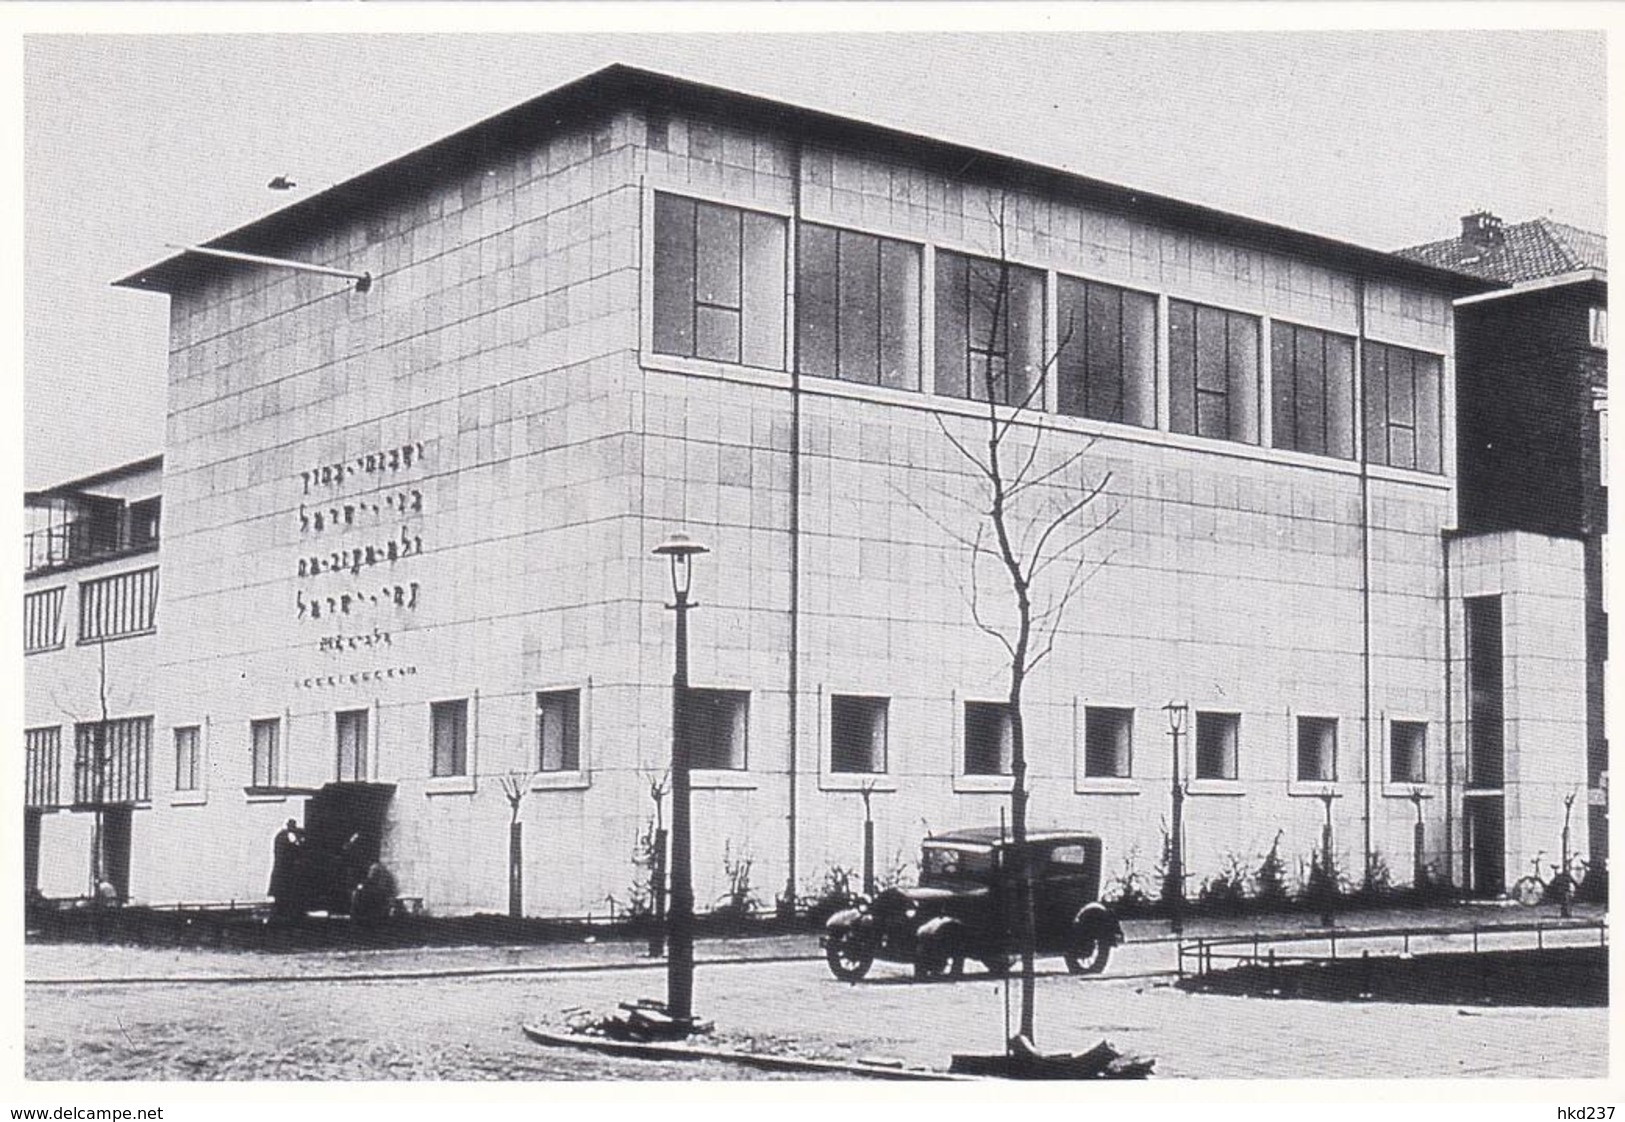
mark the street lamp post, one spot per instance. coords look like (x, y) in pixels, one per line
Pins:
(680, 550)
(1177, 716)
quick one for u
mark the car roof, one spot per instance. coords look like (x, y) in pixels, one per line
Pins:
(997, 835)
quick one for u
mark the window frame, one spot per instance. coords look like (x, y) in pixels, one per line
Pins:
(58, 621)
(1232, 380)
(691, 291)
(1087, 713)
(962, 754)
(1291, 388)
(838, 307)
(720, 776)
(1372, 424)
(362, 764)
(1214, 784)
(141, 742)
(274, 769)
(145, 611)
(42, 777)
(882, 702)
(1299, 724)
(1082, 337)
(1404, 787)
(193, 784)
(1034, 397)
(461, 756)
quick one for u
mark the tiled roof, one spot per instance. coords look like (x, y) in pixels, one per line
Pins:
(1527, 251)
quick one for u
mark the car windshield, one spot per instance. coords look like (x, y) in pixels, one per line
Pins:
(940, 863)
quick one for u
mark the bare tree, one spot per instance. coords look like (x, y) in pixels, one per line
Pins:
(1028, 516)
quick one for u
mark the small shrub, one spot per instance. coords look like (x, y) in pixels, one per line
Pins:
(1226, 892)
(1270, 879)
(646, 865)
(899, 873)
(1126, 891)
(838, 889)
(740, 899)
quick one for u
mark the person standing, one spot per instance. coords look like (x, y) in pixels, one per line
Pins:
(286, 860)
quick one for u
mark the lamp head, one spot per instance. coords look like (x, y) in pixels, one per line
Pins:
(1177, 714)
(681, 549)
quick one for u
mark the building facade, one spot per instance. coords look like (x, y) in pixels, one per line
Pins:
(408, 530)
(1532, 370)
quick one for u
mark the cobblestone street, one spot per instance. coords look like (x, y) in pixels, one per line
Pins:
(467, 1026)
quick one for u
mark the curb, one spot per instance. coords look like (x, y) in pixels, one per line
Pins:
(656, 1051)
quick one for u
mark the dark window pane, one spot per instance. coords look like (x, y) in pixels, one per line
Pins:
(988, 296)
(1072, 335)
(987, 738)
(900, 315)
(951, 335)
(1213, 415)
(815, 302)
(1025, 331)
(1104, 362)
(858, 734)
(1181, 366)
(1217, 735)
(674, 276)
(1401, 384)
(859, 307)
(1376, 403)
(1311, 379)
(558, 722)
(1212, 364)
(1283, 397)
(1401, 447)
(1428, 376)
(716, 264)
(1107, 743)
(1340, 396)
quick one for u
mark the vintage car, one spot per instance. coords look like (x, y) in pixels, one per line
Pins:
(964, 907)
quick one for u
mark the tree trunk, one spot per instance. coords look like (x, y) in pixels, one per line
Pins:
(1024, 870)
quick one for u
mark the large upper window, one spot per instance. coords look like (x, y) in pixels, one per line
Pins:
(1106, 367)
(990, 330)
(1402, 407)
(1212, 372)
(718, 729)
(1312, 375)
(719, 276)
(858, 307)
(122, 604)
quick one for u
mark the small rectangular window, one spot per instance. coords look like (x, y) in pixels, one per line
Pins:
(988, 738)
(265, 751)
(1212, 372)
(719, 277)
(350, 727)
(1317, 750)
(1407, 752)
(857, 734)
(186, 758)
(1108, 742)
(990, 330)
(1217, 745)
(448, 721)
(1599, 328)
(42, 620)
(718, 729)
(1106, 362)
(558, 730)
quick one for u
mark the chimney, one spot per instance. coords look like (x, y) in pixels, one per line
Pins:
(1481, 230)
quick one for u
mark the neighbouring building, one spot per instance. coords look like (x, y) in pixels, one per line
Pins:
(408, 529)
(1532, 434)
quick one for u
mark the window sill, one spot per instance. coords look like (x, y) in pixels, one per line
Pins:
(1101, 785)
(1223, 788)
(983, 784)
(261, 795)
(560, 781)
(45, 650)
(189, 798)
(1405, 790)
(856, 781)
(711, 368)
(449, 785)
(115, 638)
(1312, 789)
(717, 780)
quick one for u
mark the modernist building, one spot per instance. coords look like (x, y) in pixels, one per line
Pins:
(1532, 371)
(408, 529)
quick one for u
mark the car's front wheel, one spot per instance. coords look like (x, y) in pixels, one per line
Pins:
(1088, 955)
(849, 959)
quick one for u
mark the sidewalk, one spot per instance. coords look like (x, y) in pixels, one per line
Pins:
(61, 962)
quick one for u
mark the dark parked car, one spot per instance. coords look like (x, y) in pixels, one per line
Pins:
(964, 907)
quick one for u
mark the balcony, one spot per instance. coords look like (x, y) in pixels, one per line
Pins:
(99, 535)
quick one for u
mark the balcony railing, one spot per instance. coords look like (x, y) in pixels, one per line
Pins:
(93, 538)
